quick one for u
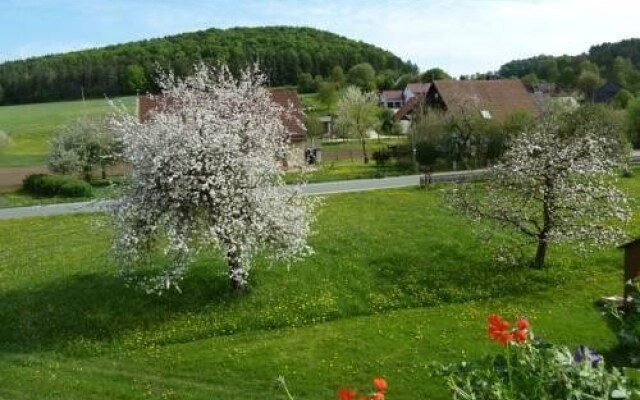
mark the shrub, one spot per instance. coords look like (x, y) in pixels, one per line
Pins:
(381, 157)
(533, 369)
(54, 185)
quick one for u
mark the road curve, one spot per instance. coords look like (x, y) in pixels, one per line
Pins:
(357, 185)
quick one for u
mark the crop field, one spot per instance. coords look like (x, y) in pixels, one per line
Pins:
(398, 281)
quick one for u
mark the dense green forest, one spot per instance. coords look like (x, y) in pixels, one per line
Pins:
(608, 62)
(284, 52)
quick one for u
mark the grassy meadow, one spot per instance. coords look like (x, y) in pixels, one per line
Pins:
(398, 281)
(31, 126)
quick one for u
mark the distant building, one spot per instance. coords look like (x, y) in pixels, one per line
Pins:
(392, 99)
(415, 90)
(491, 99)
(327, 125)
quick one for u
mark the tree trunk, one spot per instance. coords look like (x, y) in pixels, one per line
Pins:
(548, 208)
(104, 172)
(541, 253)
(237, 272)
(364, 151)
(86, 172)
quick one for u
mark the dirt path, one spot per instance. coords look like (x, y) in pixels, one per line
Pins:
(11, 178)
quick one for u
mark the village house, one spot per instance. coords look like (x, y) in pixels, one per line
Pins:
(283, 97)
(403, 102)
(491, 99)
(415, 90)
(392, 99)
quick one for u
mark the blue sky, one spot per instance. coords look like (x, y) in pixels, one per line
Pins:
(461, 36)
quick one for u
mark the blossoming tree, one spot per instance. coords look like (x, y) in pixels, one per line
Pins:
(82, 145)
(556, 183)
(358, 114)
(205, 173)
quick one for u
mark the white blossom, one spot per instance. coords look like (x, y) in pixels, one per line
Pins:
(556, 183)
(206, 172)
(357, 115)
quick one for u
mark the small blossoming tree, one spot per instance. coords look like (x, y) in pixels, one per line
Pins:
(556, 183)
(82, 145)
(206, 173)
(358, 114)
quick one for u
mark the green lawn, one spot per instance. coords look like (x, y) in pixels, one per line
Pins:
(31, 126)
(397, 282)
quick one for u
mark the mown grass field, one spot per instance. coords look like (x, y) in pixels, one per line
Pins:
(31, 126)
(398, 281)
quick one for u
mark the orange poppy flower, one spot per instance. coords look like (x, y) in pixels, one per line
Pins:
(346, 394)
(380, 384)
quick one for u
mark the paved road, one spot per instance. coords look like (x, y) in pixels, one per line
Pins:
(312, 189)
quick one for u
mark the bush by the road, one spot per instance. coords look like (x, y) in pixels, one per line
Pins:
(55, 185)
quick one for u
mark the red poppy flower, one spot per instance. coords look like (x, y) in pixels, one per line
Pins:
(494, 319)
(346, 394)
(521, 335)
(505, 338)
(378, 396)
(496, 322)
(380, 384)
(522, 323)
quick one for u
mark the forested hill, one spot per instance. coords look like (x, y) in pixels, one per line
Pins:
(284, 52)
(615, 62)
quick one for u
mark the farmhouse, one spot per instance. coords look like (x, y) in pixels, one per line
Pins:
(283, 97)
(492, 99)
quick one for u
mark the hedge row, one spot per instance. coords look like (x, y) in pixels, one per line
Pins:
(55, 185)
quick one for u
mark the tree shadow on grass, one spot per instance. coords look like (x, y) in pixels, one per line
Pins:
(96, 307)
(458, 277)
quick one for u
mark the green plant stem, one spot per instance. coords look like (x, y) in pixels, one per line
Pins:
(286, 389)
(509, 372)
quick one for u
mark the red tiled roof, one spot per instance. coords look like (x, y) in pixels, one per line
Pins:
(500, 97)
(391, 95)
(285, 98)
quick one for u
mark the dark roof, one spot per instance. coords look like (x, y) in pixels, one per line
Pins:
(500, 97)
(408, 107)
(419, 88)
(606, 92)
(630, 244)
(391, 95)
(285, 98)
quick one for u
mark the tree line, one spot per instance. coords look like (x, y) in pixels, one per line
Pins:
(608, 62)
(283, 52)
